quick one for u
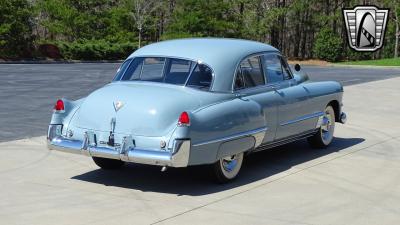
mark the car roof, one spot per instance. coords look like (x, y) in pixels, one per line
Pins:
(221, 54)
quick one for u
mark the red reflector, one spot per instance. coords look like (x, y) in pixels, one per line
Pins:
(59, 105)
(184, 119)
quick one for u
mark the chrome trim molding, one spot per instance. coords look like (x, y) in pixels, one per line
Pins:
(258, 135)
(178, 157)
(302, 118)
(284, 141)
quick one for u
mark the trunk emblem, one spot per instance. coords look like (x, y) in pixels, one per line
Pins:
(118, 105)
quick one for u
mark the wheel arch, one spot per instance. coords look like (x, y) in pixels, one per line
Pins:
(336, 108)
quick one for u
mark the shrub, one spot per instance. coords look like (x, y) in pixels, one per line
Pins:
(16, 28)
(328, 45)
(95, 50)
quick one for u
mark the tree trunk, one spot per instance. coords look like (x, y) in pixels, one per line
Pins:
(304, 37)
(140, 38)
(296, 43)
(396, 46)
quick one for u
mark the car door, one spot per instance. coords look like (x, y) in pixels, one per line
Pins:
(250, 85)
(293, 109)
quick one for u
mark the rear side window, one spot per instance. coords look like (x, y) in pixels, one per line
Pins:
(201, 77)
(249, 73)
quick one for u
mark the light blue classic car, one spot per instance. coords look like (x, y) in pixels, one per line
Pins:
(197, 101)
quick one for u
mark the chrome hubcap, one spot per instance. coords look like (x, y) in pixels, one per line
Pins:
(327, 127)
(229, 163)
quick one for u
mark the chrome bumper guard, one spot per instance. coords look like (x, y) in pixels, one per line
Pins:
(178, 157)
(343, 118)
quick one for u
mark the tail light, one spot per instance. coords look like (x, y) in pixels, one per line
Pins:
(59, 106)
(184, 119)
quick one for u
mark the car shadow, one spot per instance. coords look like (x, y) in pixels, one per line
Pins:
(194, 181)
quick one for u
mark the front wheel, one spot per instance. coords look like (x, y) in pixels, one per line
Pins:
(108, 164)
(324, 136)
(227, 168)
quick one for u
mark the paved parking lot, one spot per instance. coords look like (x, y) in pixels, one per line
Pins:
(354, 181)
(29, 91)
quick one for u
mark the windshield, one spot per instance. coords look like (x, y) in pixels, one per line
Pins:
(166, 70)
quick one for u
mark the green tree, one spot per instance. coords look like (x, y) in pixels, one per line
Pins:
(15, 28)
(328, 45)
(202, 18)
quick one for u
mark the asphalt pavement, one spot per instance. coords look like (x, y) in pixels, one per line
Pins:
(29, 91)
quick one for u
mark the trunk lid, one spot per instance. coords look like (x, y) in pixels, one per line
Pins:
(138, 108)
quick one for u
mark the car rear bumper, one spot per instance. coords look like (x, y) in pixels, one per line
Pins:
(177, 157)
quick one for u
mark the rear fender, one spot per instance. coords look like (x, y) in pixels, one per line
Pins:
(214, 127)
(65, 117)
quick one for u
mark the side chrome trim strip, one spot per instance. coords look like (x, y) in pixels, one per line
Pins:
(254, 133)
(302, 118)
(284, 141)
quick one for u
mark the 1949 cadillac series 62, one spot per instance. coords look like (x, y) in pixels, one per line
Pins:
(197, 101)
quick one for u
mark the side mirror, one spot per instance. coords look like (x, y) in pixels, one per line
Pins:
(297, 67)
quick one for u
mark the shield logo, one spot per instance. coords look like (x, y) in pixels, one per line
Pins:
(118, 105)
(366, 27)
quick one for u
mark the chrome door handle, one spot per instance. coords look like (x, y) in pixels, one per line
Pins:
(275, 87)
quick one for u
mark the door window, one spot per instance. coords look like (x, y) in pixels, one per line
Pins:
(249, 73)
(273, 68)
(276, 68)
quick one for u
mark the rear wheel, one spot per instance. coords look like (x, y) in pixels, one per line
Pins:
(227, 168)
(324, 136)
(108, 164)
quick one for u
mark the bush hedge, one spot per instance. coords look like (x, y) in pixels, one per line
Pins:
(95, 50)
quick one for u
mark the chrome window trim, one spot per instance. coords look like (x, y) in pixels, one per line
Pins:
(190, 73)
(290, 70)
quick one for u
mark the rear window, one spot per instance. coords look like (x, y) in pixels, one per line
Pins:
(166, 70)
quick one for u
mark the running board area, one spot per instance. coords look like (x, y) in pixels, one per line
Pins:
(284, 141)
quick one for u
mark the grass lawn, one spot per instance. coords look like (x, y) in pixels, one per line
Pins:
(378, 62)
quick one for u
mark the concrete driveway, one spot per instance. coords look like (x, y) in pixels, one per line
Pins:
(355, 181)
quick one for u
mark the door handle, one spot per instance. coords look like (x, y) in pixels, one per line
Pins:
(275, 88)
